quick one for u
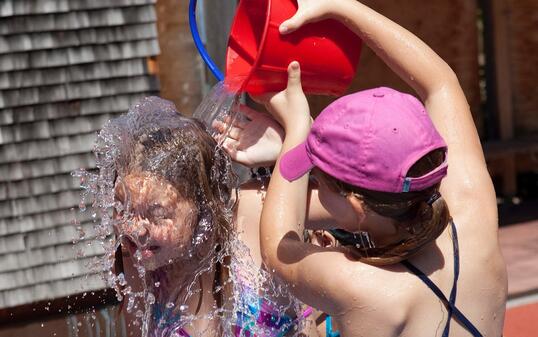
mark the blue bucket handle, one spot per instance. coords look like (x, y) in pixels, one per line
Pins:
(199, 44)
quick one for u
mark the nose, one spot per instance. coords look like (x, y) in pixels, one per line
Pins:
(141, 230)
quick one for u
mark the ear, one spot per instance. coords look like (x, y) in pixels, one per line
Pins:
(328, 240)
(358, 208)
(323, 238)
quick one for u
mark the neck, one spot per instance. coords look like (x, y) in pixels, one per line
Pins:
(383, 230)
(183, 298)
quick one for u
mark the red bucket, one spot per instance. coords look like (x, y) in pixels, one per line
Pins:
(258, 55)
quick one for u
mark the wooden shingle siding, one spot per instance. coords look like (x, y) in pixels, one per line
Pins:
(76, 91)
(37, 222)
(110, 104)
(77, 20)
(78, 55)
(74, 74)
(49, 290)
(54, 40)
(49, 148)
(66, 67)
(40, 204)
(48, 255)
(34, 187)
(25, 7)
(51, 129)
(47, 167)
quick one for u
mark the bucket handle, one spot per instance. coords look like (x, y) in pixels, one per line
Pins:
(199, 44)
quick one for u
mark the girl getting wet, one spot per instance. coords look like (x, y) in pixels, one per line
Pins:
(173, 212)
(190, 248)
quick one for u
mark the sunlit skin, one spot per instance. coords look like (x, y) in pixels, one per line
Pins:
(372, 301)
(159, 219)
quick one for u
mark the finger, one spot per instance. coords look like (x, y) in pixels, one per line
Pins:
(234, 132)
(292, 24)
(294, 76)
(230, 145)
(219, 126)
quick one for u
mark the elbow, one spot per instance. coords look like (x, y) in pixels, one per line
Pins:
(269, 253)
(445, 80)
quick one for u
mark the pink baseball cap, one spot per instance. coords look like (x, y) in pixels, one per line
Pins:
(370, 139)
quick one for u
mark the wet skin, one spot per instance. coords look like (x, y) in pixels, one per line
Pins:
(157, 219)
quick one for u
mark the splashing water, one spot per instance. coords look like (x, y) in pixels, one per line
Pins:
(222, 104)
(154, 148)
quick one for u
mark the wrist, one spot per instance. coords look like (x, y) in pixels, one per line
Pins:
(342, 10)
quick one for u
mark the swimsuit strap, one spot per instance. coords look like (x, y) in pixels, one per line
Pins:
(451, 307)
(329, 328)
(183, 333)
(454, 290)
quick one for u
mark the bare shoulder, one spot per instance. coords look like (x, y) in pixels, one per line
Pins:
(250, 203)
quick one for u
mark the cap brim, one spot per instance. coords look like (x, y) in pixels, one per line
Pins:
(295, 163)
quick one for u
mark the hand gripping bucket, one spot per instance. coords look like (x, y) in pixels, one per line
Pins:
(258, 55)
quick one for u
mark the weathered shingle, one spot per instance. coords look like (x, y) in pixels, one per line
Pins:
(79, 55)
(58, 236)
(49, 255)
(79, 73)
(42, 221)
(39, 204)
(34, 187)
(49, 148)
(47, 167)
(63, 39)
(77, 20)
(58, 289)
(38, 112)
(42, 274)
(52, 129)
(25, 7)
(76, 91)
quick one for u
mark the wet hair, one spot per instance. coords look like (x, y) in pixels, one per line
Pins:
(188, 158)
(420, 216)
(153, 137)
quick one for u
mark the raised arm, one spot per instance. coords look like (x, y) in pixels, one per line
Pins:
(283, 217)
(467, 188)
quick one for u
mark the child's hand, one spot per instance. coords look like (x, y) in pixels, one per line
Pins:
(253, 143)
(290, 107)
(310, 11)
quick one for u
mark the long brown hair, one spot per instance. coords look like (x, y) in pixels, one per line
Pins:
(420, 216)
(153, 137)
(190, 160)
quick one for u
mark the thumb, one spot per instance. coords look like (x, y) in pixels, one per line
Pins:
(292, 24)
(294, 77)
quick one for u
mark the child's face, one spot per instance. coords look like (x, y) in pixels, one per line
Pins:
(155, 218)
(337, 205)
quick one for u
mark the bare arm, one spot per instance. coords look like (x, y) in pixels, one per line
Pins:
(283, 217)
(467, 188)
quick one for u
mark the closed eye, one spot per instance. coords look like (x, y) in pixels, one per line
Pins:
(158, 212)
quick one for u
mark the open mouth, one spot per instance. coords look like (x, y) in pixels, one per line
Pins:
(153, 248)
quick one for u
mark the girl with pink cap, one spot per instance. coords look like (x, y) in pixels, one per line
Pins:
(405, 183)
